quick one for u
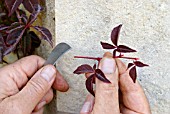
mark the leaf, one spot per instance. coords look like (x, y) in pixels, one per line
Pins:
(26, 44)
(115, 34)
(107, 46)
(140, 64)
(94, 67)
(133, 73)
(3, 27)
(130, 65)
(2, 48)
(15, 39)
(100, 75)
(84, 69)
(24, 18)
(29, 4)
(124, 49)
(13, 36)
(89, 84)
(35, 39)
(2, 43)
(34, 14)
(1, 55)
(46, 35)
(15, 26)
(12, 5)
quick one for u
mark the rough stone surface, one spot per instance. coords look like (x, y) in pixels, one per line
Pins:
(146, 27)
(48, 21)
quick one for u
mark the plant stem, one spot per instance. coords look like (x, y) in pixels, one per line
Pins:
(85, 57)
(99, 58)
(127, 57)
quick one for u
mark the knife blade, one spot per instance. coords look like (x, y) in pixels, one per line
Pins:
(58, 112)
(56, 53)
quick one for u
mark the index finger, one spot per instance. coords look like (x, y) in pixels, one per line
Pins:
(133, 94)
(26, 66)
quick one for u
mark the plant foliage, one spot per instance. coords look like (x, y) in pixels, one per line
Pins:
(15, 27)
(95, 72)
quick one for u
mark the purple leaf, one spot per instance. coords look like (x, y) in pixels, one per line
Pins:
(84, 69)
(35, 39)
(14, 35)
(133, 73)
(34, 14)
(1, 55)
(115, 34)
(46, 35)
(2, 43)
(2, 47)
(107, 46)
(124, 49)
(12, 5)
(130, 65)
(9, 50)
(140, 64)
(94, 67)
(89, 84)
(29, 4)
(24, 18)
(3, 27)
(26, 44)
(100, 75)
(15, 26)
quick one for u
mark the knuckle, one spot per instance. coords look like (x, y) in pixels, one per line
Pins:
(38, 86)
(34, 56)
(109, 88)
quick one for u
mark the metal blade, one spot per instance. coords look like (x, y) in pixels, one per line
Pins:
(65, 113)
(56, 53)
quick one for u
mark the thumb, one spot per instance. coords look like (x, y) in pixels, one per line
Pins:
(106, 96)
(36, 88)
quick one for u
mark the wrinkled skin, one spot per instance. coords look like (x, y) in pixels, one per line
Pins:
(121, 96)
(23, 88)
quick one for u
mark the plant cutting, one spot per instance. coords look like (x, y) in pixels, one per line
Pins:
(118, 52)
(17, 29)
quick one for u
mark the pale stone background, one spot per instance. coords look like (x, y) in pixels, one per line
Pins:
(146, 27)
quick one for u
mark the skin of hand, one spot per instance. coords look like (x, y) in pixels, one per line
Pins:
(25, 86)
(122, 96)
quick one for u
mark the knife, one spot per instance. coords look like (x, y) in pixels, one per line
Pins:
(56, 53)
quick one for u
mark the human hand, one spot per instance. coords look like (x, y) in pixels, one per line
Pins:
(108, 99)
(25, 87)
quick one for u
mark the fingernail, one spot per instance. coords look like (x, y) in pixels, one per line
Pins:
(108, 65)
(86, 107)
(47, 73)
(42, 104)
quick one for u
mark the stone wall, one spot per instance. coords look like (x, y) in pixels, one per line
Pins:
(84, 23)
